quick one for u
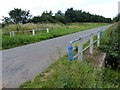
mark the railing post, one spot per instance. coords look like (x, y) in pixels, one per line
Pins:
(91, 43)
(80, 49)
(98, 37)
(47, 30)
(33, 32)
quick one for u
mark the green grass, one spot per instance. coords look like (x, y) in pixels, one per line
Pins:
(56, 30)
(106, 34)
(65, 74)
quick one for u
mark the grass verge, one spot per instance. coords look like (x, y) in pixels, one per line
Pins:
(55, 31)
(65, 74)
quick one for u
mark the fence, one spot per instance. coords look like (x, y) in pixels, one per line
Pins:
(80, 46)
(12, 33)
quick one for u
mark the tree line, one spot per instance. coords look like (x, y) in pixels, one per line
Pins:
(23, 16)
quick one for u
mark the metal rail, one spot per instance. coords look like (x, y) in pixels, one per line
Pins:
(80, 45)
(12, 33)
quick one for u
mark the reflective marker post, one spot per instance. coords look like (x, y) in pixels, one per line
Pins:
(70, 53)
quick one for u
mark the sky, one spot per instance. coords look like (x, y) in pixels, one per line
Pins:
(106, 8)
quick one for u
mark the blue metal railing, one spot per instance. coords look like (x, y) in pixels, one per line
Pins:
(80, 50)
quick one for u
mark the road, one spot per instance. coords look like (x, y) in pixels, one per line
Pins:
(23, 63)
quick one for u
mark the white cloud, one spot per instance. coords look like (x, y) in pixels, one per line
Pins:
(108, 10)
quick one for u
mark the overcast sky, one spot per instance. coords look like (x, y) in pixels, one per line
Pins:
(106, 8)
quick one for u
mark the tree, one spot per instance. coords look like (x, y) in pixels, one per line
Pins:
(69, 16)
(19, 16)
(36, 19)
(60, 17)
(7, 20)
(47, 17)
(117, 18)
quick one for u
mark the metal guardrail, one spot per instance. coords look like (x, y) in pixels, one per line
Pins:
(12, 33)
(80, 46)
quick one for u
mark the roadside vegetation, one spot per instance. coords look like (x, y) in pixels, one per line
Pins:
(66, 74)
(75, 74)
(111, 45)
(55, 31)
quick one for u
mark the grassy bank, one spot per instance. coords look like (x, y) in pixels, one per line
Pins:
(65, 74)
(56, 30)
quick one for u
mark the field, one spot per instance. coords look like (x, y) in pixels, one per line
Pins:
(56, 30)
(65, 74)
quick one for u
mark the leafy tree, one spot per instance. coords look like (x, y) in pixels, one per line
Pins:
(7, 20)
(69, 16)
(117, 18)
(60, 17)
(36, 19)
(59, 13)
(82, 16)
(47, 17)
(19, 16)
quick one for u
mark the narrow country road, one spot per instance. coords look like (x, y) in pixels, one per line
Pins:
(23, 63)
